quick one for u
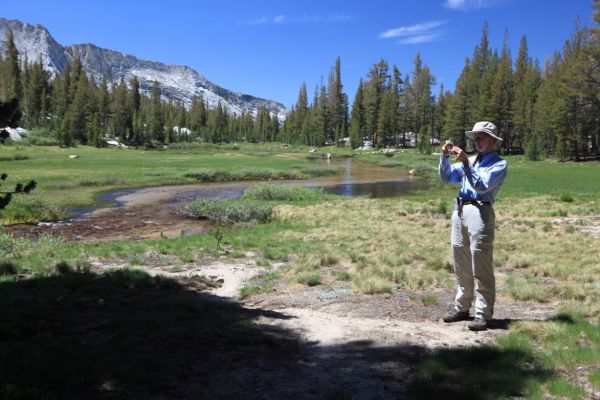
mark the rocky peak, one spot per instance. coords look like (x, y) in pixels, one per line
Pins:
(178, 83)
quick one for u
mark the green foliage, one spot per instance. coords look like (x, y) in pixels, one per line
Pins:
(566, 198)
(274, 192)
(8, 267)
(309, 278)
(229, 212)
(253, 289)
(32, 208)
(19, 188)
(250, 174)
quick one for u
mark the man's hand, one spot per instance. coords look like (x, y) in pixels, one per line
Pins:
(461, 155)
(447, 148)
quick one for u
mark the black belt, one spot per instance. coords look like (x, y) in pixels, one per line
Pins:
(476, 202)
(460, 202)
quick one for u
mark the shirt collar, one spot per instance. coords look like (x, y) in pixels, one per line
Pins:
(489, 156)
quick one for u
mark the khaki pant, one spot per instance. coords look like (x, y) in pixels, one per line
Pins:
(472, 241)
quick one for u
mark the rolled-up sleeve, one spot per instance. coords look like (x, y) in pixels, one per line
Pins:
(450, 173)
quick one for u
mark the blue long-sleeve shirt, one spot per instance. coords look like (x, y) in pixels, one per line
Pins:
(480, 182)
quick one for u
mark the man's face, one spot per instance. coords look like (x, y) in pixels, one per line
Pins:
(483, 142)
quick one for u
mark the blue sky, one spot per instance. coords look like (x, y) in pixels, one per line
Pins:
(268, 48)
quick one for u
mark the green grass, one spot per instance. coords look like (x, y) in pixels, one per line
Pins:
(484, 372)
(274, 192)
(594, 378)
(533, 360)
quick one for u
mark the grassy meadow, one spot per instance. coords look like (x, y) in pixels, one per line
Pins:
(546, 251)
(66, 183)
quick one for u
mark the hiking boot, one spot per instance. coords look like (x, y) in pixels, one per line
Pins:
(478, 324)
(455, 316)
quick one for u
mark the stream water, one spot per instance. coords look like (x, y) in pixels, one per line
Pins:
(154, 212)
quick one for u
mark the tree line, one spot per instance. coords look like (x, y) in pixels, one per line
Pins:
(80, 110)
(542, 111)
(549, 111)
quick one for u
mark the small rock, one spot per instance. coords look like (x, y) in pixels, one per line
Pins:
(412, 172)
(73, 156)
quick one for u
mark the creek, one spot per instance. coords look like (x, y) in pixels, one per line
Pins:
(151, 213)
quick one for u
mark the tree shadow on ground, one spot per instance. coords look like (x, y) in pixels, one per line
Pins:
(127, 335)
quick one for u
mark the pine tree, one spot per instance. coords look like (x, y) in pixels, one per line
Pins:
(104, 110)
(35, 95)
(301, 112)
(11, 74)
(337, 101)
(386, 121)
(405, 114)
(501, 96)
(322, 131)
(357, 118)
(458, 118)
(422, 100)
(121, 113)
(156, 119)
(197, 115)
(79, 110)
(482, 69)
(521, 124)
(441, 107)
(375, 88)
(550, 111)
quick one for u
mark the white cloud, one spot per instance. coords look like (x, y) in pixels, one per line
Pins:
(315, 18)
(466, 5)
(411, 30)
(421, 39)
(418, 33)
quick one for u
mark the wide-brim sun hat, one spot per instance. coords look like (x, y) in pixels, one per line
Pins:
(485, 127)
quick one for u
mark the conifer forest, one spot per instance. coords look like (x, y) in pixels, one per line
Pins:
(544, 108)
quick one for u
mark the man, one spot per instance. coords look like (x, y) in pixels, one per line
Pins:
(472, 235)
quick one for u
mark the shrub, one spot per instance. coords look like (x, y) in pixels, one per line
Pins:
(343, 276)
(63, 268)
(8, 267)
(8, 244)
(310, 278)
(32, 208)
(566, 198)
(229, 212)
(270, 191)
(319, 171)
(16, 157)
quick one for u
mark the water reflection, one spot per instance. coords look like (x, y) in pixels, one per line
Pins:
(356, 179)
(374, 189)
